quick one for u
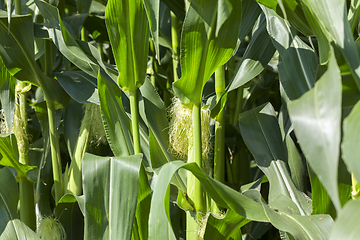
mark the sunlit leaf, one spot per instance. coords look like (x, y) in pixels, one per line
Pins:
(116, 122)
(202, 51)
(128, 30)
(111, 190)
(350, 149)
(346, 224)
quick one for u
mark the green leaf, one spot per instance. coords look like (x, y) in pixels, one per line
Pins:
(70, 211)
(64, 41)
(248, 205)
(257, 55)
(177, 7)
(9, 197)
(346, 225)
(17, 53)
(111, 190)
(333, 17)
(80, 86)
(7, 95)
(152, 8)
(128, 29)
(224, 227)
(261, 133)
(10, 225)
(83, 6)
(250, 11)
(17, 47)
(116, 122)
(349, 146)
(316, 118)
(9, 156)
(158, 124)
(143, 205)
(159, 225)
(17, 230)
(202, 51)
(290, 10)
(300, 227)
(297, 69)
(72, 118)
(321, 35)
(296, 164)
(353, 13)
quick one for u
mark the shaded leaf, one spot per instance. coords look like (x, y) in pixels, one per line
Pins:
(64, 41)
(9, 157)
(316, 118)
(261, 133)
(257, 55)
(332, 15)
(70, 212)
(80, 86)
(9, 197)
(297, 69)
(152, 9)
(7, 95)
(226, 227)
(17, 53)
(292, 11)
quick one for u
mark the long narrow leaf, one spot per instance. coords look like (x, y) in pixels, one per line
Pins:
(111, 187)
(7, 95)
(202, 50)
(332, 15)
(261, 133)
(9, 156)
(316, 118)
(128, 30)
(116, 122)
(297, 69)
(350, 149)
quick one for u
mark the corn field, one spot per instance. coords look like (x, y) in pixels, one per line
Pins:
(173, 119)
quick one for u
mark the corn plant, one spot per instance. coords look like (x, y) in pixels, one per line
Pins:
(198, 119)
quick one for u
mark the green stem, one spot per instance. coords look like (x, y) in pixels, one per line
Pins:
(353, 21)
(18, 7)
(55, 150)
(197, 144)
(27, 206)
(134, 109)
(83, 34)
(75, 170)
(54, 140)
(175, 44)
(194, 188)
(219, 152)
